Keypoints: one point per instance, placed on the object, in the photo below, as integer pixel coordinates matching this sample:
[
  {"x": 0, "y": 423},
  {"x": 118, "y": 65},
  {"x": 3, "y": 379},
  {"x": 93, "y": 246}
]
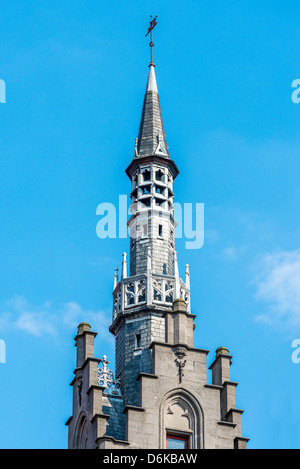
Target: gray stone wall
[
  {"x": 188, "y": 406},
  {"x": 133, "y": 358},
  {"x": 165, "y": 389}
]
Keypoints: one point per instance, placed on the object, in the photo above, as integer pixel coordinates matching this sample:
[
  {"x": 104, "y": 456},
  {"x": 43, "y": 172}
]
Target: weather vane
[{"x": 153, "y": 23}]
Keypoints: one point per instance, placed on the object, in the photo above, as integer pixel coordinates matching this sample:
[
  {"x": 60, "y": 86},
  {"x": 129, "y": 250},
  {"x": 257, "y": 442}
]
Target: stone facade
[
  {"x": 159, "y": 396},
  {"x": 168, "y": 394}
]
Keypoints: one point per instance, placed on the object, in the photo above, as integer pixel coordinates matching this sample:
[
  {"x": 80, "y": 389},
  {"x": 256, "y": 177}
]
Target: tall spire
[{"x": 152, "y": 138}]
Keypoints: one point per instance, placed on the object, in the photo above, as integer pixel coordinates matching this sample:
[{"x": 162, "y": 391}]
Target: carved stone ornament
[
  {"x": 180, "y": 353},
  {"x": 107, "y": 380}
]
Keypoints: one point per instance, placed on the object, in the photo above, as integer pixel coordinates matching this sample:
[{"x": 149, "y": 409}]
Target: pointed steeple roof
[{"x": 151, "y": 139}]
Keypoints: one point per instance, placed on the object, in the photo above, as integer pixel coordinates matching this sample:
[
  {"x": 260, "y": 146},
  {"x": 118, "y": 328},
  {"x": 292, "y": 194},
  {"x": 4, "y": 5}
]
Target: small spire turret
[
  {"x": 116, "y": 277},
  {"x": 124, "y": 266}
]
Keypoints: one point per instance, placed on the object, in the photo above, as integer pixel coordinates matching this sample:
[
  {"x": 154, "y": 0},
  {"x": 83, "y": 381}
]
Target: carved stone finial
[
  {"x": 116, "y": 277},
  {"x": 124, "y": 266},
  {"x": 187, "y": 276},
  {"x": 83, "y": 326},
  {"x": 107, "y": 380},
  {"x": 136, "y": 152},
  {"x": 222, "y": 351}
]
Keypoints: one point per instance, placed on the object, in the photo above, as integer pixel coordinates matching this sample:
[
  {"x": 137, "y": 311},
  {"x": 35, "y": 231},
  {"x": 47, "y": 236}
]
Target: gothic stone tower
[{"x": 160, "y": 397}]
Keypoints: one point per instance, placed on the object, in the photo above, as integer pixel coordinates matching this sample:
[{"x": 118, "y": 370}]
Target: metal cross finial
[{"x": 153, "y": 23}]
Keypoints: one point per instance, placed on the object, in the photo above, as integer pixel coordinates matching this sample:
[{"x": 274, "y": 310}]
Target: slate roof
[{"x": 151, "y": 139}]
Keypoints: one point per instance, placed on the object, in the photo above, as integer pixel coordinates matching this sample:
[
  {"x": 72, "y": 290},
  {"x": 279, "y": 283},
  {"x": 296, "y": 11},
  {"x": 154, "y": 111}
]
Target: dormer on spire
[{"x": 160, "y": 150}]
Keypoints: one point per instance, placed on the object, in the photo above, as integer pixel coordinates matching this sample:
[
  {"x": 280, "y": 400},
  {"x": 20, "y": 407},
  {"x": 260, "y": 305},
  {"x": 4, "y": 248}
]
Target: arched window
[
  {"x": 181, "y": 421},
  {"x": 81, "y": 435},
  {"x": 159, "y": 176},
  {"x": 146, "y": 175}
]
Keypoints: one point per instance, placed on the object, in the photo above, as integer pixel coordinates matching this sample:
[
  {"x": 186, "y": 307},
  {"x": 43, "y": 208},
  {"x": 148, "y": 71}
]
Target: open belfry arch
[{"x": 159, "y": 396}]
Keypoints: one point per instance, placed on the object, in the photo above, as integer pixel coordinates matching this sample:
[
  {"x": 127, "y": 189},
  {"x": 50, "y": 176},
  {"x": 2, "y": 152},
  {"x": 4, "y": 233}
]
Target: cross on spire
[{"x": 153, "y": 23}]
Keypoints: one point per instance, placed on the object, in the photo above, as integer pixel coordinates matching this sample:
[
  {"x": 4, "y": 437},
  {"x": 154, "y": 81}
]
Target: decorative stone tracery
[
  {"x": 147, "y": 289},
  {"x": 107, "y": 380},
  {"x": 181, "y": 414}
]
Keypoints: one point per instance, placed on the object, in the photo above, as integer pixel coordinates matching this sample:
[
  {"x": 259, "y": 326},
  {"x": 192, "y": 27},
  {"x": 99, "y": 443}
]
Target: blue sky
[{"x": 75, "y": 73}]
